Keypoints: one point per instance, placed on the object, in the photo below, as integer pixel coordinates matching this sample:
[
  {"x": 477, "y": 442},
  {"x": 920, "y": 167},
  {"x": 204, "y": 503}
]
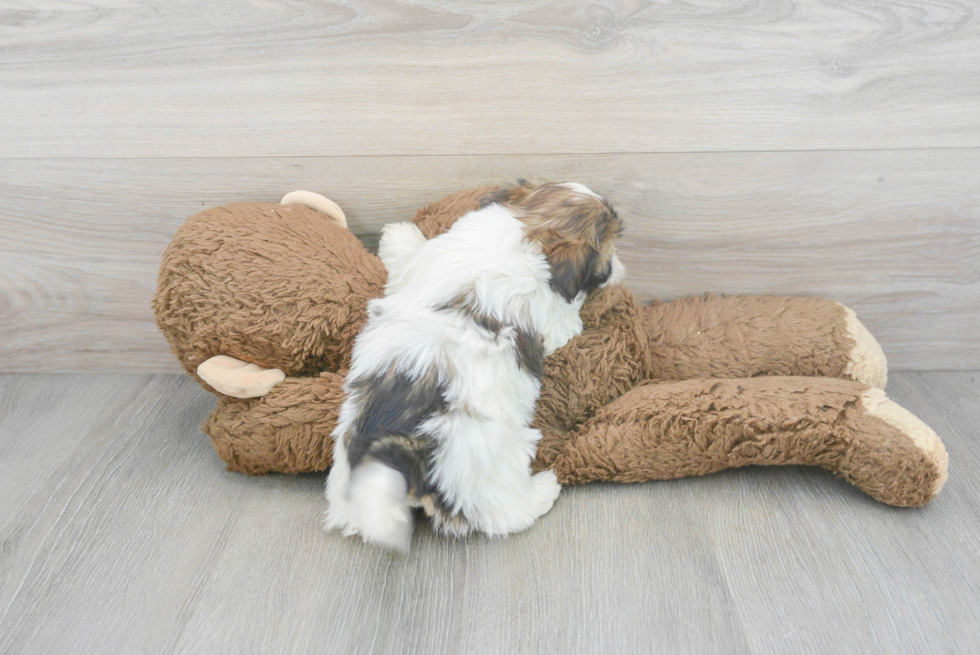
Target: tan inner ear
[
  {"x": 317, "y": 202},
  {"x": 238, "y": 379}
]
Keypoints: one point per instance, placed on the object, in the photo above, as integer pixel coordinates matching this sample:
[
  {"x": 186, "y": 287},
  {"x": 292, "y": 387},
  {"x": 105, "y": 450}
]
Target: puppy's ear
[
  {"x": 574, "y": 228},
  {"x": 572, "y": 262}
]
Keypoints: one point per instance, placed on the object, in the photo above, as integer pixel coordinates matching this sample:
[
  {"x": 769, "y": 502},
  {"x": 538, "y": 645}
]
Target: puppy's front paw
[
  {"x": 561, "y": 332},
  {"x": 399, "y": 241},
  {"x": 544, "y": 491}
]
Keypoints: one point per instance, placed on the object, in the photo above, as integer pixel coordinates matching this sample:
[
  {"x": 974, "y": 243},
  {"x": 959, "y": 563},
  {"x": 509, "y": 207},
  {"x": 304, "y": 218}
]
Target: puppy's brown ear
[
  {"x": 572, "y": 262},
  {"x": 575, "y": 230}
]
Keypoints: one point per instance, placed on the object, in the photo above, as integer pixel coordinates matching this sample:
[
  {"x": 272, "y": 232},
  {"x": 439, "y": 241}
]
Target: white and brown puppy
[{"x": 446, "y": 373}]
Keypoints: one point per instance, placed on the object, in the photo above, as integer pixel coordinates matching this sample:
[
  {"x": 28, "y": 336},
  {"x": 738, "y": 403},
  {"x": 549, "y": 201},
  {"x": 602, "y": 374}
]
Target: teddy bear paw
[{"x": 876, "y": 404}]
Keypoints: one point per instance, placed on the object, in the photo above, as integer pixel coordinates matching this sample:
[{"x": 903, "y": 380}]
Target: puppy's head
[{"x": 575, "y": 228}]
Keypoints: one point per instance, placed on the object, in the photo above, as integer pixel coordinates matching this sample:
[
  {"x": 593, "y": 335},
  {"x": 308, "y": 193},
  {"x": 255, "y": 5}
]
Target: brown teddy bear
[{"x": 261, "y": 302}]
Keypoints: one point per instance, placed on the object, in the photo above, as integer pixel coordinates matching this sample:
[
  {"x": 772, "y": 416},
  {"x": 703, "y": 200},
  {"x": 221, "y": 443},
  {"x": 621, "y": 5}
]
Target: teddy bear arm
[
  {"x": 607, "y": 359},
  {"x": 437, "y": 217},
  {"x": 748, "y": 336},
  {"x": 661, "y": 431},
  {"x": 285, "y": 431}
]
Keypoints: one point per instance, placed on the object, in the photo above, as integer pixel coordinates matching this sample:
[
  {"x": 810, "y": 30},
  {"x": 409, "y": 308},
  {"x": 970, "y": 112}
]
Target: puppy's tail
[{"x": 379, "y": 500}]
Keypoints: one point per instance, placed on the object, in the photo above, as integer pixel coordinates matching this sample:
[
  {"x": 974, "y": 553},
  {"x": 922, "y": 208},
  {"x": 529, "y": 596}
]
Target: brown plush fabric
[
  {"x": 606, "y": 360},
  {"x": 287, "y": 430},
  {"x": 279, "y": 286},
  {"x": 714, "y": 336},
  {"x": 661, "y": 431},
  {"x": 437, "y": 217},
  {"x": 283, "y": 287}
]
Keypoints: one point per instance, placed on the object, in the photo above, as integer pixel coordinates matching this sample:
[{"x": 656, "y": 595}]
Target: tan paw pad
[
  {"x": 867, "y": 360},
  {"x": 925, "y": 439}
]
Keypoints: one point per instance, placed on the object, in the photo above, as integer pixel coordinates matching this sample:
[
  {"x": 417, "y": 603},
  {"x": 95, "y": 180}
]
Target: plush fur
[
  {"x": 278, "y": 286},
  {"x": 645, "y": 392},
  {"x": 446, "y": 373}
]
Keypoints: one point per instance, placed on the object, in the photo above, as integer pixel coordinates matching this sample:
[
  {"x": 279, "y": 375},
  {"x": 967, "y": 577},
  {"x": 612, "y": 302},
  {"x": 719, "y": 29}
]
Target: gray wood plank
[
  {"x": 112, "y": 539},
  {"x": 895, "y": 234},
  {"x": 538, "y": 592},
  {"x": 43, "y": 419},
  {"x": 375, "y": 77},
  {"x": 129, "y": 537},
  {"x": 804, "y": 556}
]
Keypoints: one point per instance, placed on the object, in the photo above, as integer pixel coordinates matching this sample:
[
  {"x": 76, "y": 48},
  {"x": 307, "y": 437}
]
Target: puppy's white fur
[
  {"x": 379, "y": 494},
  {"x": 481, "y": 464}
]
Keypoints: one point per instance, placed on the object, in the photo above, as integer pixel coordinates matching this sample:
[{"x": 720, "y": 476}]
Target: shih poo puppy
[{"x": 445, "y": 375}]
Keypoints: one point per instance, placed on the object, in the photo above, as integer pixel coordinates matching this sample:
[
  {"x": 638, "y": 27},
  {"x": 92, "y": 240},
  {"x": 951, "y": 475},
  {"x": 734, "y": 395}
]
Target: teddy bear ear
[
  {"x": 238, "y": 379},
  {"x": 317, "y": 202}
]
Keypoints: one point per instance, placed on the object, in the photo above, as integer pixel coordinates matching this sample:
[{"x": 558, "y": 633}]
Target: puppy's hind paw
[
  {"x": 379, "y": 498},
  {"x": 544, "y": 491}
]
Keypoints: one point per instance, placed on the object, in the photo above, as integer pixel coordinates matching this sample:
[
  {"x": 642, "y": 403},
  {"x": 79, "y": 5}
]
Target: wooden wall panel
[
  {"x": 379, "y": 77},
  {"x": 894, "y": 234}
]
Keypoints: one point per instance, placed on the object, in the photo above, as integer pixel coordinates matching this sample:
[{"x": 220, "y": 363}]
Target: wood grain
[
  {"x": 123, "y": 534},
  {"x": 381, "y": 77},
  {"x": 896, "y": 235}
]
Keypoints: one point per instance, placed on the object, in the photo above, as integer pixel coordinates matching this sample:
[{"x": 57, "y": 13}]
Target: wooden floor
[{"x": 122, "y": 533}]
